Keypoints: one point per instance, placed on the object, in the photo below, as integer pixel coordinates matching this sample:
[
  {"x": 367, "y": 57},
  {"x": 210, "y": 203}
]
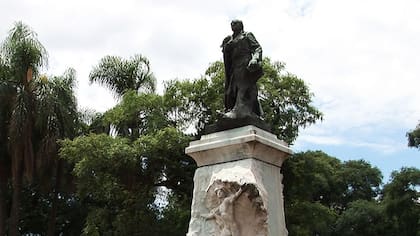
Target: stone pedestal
[{"x": 238, "y": 187}]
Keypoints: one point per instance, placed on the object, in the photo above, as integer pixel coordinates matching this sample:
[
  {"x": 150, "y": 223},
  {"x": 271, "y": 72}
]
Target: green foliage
[
  {"x": 35, "y": 111},
  {"x": 56, "y": 104},
  {"x": 362, "y": 181},
  {"x": 121, "y": 75},
  {"x": 324, "y": 196},
  {"x": 21, "y": 57},
  {"x": 309, "y": 218},
  {"x": 163, "y": 152},
  {"x": 286, "y": 101},
  {"x": 91, "y": 155},
  {"x": 362, "y": 218},
  {"x": 121, "y": 198},
  {"x": 318, "y": 169},
  {"x": 402, "y": 201},
  {"x": 320, "y": 189},
  {"x": 175, "y": 218},
  {"x": 414, "y": 137},
  {"x": 102, "y": 187},
  {"x": 21, "y": 50},
  {"x": 36, "y": 207},
  {"x": 196, "y": 102},
  {"x": 137, "y": 114}
]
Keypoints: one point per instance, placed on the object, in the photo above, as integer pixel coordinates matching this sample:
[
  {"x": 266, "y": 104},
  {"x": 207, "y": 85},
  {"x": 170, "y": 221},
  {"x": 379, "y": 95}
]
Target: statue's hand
[{"x": 253, "y": 65}]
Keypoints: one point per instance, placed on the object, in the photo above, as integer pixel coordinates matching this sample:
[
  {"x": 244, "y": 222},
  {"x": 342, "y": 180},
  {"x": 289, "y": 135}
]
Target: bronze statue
[{"x": 242, "y": 56}]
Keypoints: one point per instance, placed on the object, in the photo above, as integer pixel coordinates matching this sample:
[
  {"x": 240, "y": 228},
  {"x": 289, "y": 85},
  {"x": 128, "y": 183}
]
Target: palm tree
[
  {"x": 35, "y": 112},
  {"x": 121, "y": 75},
  {"x": 23, "y": 56},
  {"x": 5, "y": 92},
  {"x": 56, "y": 118}
]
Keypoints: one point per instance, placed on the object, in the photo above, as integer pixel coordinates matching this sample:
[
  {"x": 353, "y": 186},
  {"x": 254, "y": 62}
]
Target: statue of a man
[{"x": 242, "y": 56}]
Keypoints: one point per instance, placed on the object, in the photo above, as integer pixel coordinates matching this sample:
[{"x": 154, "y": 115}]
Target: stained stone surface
[
  {"x": 237, "y": 187},
  {"x": 237, "y": 144}
]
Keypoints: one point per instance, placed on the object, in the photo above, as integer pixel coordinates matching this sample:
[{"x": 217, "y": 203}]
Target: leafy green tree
[
  {"x": 286, "y": 100},
  {"x": 319, "y": 189},
  {"x": 157, "y": 163},
  {"x": 414, "y": 137},
  {"x": 362, "y": 181},
  {"x": 35, "y": 112},
  {"x": 362, "y": 218},
  {"x": 137, "y": 114},
  {"x": 402, "y": 201},
  {"x": 57, "y": 117},
  {"x": 121, "y": 75},
  {"x": 121, "y": 197},
  {"x": 103, "y": 187},
  {"x": 197, "y": 101},
  {"x": 313, "y": 176},
  {"x": 304, "y": 218},
  {"x": 163, "y": 153},
  {"x": 23, "y": 55},
  {"x": 311, "y": 191},
  {"x": 5, "y": 91}
]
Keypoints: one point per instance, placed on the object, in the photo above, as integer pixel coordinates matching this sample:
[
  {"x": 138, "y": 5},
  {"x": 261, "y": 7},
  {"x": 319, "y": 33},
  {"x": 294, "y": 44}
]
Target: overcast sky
[{"x": 360, "y": 58}]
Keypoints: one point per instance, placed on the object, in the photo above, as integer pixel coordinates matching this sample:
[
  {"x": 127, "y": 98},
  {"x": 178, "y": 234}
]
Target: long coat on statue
[{"x": 240, "y": 83}]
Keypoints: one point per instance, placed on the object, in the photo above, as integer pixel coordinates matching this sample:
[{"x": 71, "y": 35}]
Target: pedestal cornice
[{"x": 237, "y": 144}]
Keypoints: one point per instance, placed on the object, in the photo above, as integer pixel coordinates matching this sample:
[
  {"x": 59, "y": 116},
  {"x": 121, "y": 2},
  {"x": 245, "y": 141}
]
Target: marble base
[{"x": 238, "y": 187}]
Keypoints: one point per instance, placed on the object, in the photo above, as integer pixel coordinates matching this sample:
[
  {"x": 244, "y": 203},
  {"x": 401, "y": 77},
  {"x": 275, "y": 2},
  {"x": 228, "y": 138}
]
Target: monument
[{"x": 238, "y": 187}]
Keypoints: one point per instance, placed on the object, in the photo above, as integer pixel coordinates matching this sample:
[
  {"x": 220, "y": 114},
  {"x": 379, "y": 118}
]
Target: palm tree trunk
[
  {"x": 53, "y": 211},
  {"x": 17, "y": 174},
  {"x": 3, "y": 189}
]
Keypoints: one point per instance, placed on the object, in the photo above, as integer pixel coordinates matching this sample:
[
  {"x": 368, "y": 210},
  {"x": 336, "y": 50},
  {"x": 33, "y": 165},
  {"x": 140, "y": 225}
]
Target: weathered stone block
[{"x": 237, "y": 187}]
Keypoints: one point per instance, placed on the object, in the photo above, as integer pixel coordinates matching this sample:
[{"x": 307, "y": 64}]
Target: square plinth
[{"x": 237, "y": 144}]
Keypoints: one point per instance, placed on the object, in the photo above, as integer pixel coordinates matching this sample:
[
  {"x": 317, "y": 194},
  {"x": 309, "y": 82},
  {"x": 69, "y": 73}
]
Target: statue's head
[
  {"x": 220, "y": 192},
  {"x": 237, "y": 26}
]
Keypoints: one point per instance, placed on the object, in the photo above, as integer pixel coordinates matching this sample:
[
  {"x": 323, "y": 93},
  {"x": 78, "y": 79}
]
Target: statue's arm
[
  {"x": 238, "y": 194},
  {"x": 210, "y": 215},
  {"x": 255, "y": 47},
  {"x": 225, "y": 42}
]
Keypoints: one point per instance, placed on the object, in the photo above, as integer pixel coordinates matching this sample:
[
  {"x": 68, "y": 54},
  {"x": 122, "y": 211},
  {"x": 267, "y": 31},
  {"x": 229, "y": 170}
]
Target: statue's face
[
  {"x": 236, "y": 26},
  {"x": 220, "y": 193}
]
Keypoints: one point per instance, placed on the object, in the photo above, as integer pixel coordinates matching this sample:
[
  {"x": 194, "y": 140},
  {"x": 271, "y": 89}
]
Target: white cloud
[{"x": 359, "y": 57}]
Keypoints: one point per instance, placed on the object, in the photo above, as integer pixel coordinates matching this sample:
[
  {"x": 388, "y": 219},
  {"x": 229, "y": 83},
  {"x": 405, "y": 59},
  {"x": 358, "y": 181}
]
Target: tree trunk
[
  {"x": 53, "y": 211},
  {"x": 3, "y": 189},
  {"x": 16, "y": 197}
]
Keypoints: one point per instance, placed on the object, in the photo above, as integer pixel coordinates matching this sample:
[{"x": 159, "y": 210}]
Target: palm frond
[
  {"x": 121, "y": 75},
  {"x": 22, "y": 51}
]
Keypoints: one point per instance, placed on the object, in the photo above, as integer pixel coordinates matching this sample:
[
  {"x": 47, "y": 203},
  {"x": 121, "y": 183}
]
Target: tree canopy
[
  {"x": 121, "y": 75},
  {"x": 36, "y": 110},
  {"x": 414, "y": 137},
  {"x": 324, "y": 196}
]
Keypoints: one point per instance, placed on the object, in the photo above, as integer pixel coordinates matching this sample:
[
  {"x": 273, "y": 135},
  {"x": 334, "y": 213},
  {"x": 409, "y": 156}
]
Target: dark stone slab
[{"x": 228, "y": 123}]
